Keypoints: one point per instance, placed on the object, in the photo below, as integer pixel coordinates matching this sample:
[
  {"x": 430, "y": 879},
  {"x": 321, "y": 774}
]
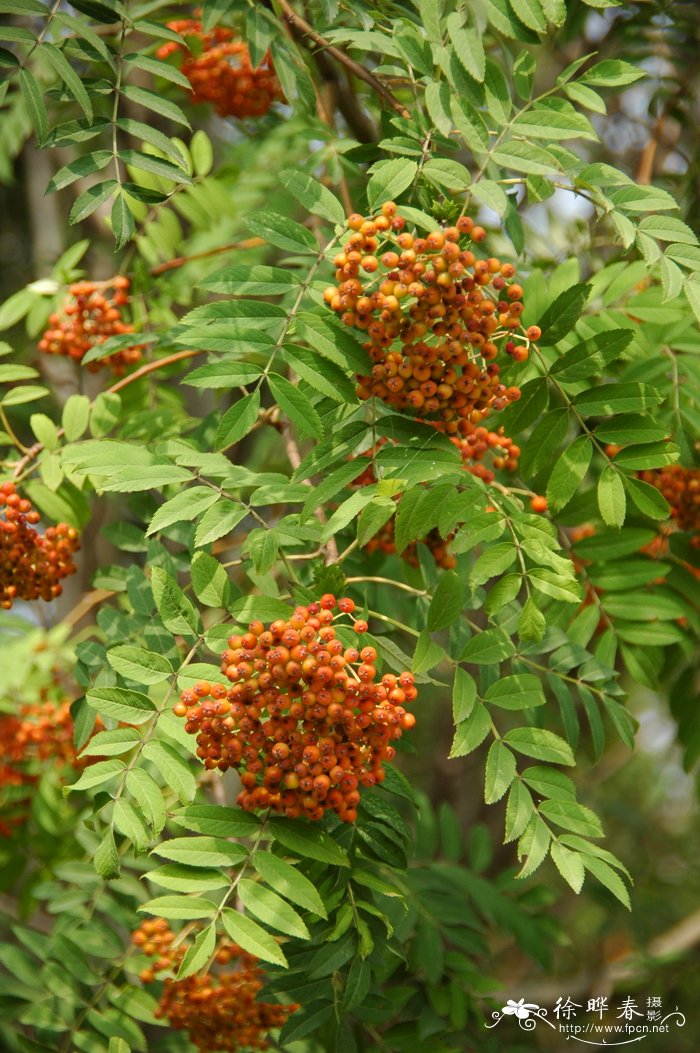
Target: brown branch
[
  {"x": 645, "y": 169},
  {"x": 36, "y": 449},
  {"x": 343, "y": 96},
  {"x": 151, "y": 366},
  {"x": 180, "y": 261},
  {"x": 85, "y": 604},
  {"x": 358, "y": 70}
]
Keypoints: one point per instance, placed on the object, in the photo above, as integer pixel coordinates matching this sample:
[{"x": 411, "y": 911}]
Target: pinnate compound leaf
[
  {"x": 522, "y": 691},
  {"x": 91, "y": 199},
  {"x": 471, "y": 732},
  {"x": 209, "y": 580},
  {"x": 447, "y": 601},
  {"x": 295, "y": 405},
  {"x": 177, "y": 611},
  {"x": 313, "y": 196},
  {"x": 237, "y": 421},
  {"x": 271, "y": 909},
  {"x": 199, "y": 953},
  {"x": 389, "y": 181},
  {"x": 281, "y": 231},
  {"x": 217, "y": 820},
  {"x": 648, "y": 499},
  {"x": 463, "y": 695},
  {"x": 534, "y": 845},
  {"x": 569, "y": 865},
  {"x": 500, "y": 771},
  {"x": 307, "y": 842},
  {"x": 148, "y": 795},
  {"x": 607, "y": 877},
  {"x": 488, "y": 647},
  {"x": 187, "y": 908},
  {"x": 289, "y": 882},
  {"x": 217, "y": 521},
  {"x": 202, "y": 851},
  {"x": 561, "y": 316},
  {"x": 186, "y": 505},
  {"x": 572, "y": 816},
  {"x": 97, "y": 774},
  {"x": 106, "y": 858},
  {"x": 34, "y": 101},
  {"x": 253, "y": 938},
  {"x": 132, "y": 825},
  {"x": 611, "y": 497},
  {"x": 139, "y": 665},
  {"x": 519, "y": 811},
  {"x": 541, "y": 744},
  {"x": 111, "y": 743},
  {"x": 568, "y": 473},
  {"x": 120, "y": 703}
]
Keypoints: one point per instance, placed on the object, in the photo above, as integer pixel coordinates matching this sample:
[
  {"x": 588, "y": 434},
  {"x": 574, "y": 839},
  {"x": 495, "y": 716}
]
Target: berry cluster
[
  {"x": 681, "y": 488},
  {"x": 90, "y": 314},
  {"x": 220, "y": 71},
  {"x": 31, "y": 564},
  {"x": 435, "y": 319},
  {"x": 42, "y": 732},
  {"x": 305, "y": 721},
  {"x": 218, "y": 1010},
  {"x": 474, "y": 442}
]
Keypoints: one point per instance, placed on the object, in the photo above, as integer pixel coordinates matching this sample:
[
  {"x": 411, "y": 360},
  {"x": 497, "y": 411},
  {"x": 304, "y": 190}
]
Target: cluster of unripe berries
[
  {"x": 306, "y": 721},
  {"x": 31, "y": 564},
  {"x": 218, "y": 1010},
  {"x": 90, "y": 314},
  {"x": 220, "y": 71},
  {"x": 681, "y": 488},
  {"x": 435, "y": 317},
  {"x": 39, "y": 733}
]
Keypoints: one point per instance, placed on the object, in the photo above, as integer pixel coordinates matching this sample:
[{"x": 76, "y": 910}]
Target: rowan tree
[{"x": 359, "y": 400}]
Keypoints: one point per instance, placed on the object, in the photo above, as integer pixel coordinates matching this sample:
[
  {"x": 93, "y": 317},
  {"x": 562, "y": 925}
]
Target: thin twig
[
  {"x": 36, "y": 449},
  {"x": 180, "y": 261},
  {"x": 645, "y": 169},
  {"x": 359, "y": 71}
]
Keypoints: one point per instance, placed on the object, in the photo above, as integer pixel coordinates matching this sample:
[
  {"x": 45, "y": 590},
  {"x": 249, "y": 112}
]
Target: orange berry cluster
[
  {"x": 474, "y": 442},
  {"x": 90, "y": 314},
  {"x": 306, "y": 721},
  {"x": 681, "y": 488},
  {"x": 218, "y": 1010},
  {"x": 43, "y": 731},
  {"x": 435, "y": 318},
  {"x": 220, "y": 71},
  {"x": 31, "y": 564}
]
